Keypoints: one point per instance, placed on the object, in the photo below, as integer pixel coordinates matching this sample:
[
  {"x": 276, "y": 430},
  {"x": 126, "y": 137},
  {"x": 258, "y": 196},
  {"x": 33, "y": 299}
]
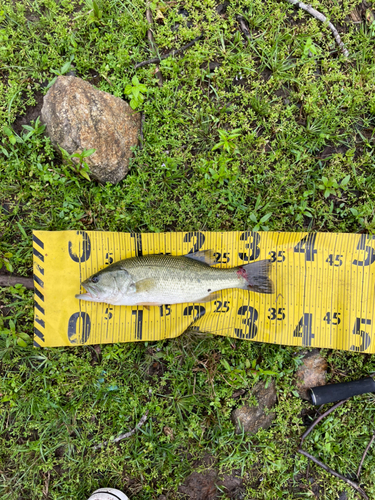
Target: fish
[{"x": 154, "y": 280}]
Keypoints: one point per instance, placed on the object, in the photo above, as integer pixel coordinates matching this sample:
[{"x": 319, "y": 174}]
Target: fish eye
[{"x": 95, "y": 279}]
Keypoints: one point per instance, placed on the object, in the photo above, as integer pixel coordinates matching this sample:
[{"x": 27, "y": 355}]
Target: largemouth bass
[{"x": 153, "y": 280}]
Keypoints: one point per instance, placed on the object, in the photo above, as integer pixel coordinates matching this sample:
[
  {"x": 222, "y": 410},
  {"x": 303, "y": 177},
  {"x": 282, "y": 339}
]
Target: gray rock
[
  {"x": 78, "y": 116},
  {"x": 312, "y": 373},
  {"x": 252, "y": 418},
  {"x": 343, "y": 495}
]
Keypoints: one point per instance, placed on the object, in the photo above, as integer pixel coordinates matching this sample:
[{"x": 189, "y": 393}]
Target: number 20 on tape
[{"x": 324, "y": 289}]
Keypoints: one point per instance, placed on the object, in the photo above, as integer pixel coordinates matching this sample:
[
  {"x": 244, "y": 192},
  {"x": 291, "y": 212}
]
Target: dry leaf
[
  {"x": 355, "y": 16},
  {"x": 169, "y": 432}
]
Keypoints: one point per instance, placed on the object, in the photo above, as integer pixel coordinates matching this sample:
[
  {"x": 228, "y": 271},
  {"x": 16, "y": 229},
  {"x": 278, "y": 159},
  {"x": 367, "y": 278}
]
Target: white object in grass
[{"x": 108, "y": 494}]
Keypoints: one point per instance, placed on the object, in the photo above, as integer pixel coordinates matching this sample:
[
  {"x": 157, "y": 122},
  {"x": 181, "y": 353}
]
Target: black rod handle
[{"x": 336, "y": 392}]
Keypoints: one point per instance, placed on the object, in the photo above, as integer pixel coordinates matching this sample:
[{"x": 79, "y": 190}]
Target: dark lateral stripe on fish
[
  {"x": 40, "y": 321},
  {"x": 35, "y": 344},
  {"x": 38, "y": 254},
  {"x": 39, "y": 307},
  {"x": 38, "y": 294},
  {"x": 38, "y": 241},
  {"x": 38, "y": 333},
  {"x": 38, "y": 280}
]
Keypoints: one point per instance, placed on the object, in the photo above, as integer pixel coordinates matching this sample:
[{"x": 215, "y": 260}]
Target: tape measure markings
[
  {"x": 306, "y": 269},
  {"x": 38, "y": 274},
  {"x": 360, "y": 319},
  {"x": 39, "y": 334},
  {"x": 367, "y": 293}
]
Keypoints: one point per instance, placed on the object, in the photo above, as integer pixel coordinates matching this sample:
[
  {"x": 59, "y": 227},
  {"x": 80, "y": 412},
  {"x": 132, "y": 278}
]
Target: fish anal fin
[
  {"x": 145, "y": 285},
  {"x": 147, "y": 305},
  {"x": 205, "y": 256},
  {"x": 209, "y": 298}
]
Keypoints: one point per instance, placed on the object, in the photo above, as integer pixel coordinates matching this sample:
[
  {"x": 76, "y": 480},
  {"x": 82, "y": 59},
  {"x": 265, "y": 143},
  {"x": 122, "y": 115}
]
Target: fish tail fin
[{"x": 256, "y": 275}]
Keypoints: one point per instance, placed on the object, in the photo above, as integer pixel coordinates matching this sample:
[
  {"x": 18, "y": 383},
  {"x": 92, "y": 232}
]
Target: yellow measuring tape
[{"x": 324, "y": 289}]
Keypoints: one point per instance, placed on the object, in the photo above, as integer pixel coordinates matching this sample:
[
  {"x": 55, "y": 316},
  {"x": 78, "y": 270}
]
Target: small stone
[
  {"x": 343, "y": 495},
  {"x": 222, "y": 8},
  {"x": 183, "y": 12},
  {"x": 239, "y": 392},
  {"x": 252, "y": 418},
  {"x": 210, "y": 66},
  {"x": 78, "y": 116},
  {"x": 312, "y": 373}
]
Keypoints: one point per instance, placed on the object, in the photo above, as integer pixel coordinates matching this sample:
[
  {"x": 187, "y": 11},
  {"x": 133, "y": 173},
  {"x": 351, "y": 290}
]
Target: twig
[
  {"x": 15, "y": 280},
  {"x": 107, "y": 79},
  {"x": 150, "y": 36},
  {"x": 169, "y": 54},
  {"x": 321, "y": 17},
  {"x": 316, "y": 422},
  {"x": 46, "y": 484},
  {"x": 364, "y": 454},
  {"x": 126, "y": 435},
  {"x": 321, "y": 464},
  {"x": 222, "y": 376},
  {"x": 334, "y": 473},
  {"x": 151, "y": 41}
]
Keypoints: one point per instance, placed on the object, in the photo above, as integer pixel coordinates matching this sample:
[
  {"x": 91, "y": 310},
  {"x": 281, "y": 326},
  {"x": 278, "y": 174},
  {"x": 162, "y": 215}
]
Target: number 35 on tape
[{"x": 324, "y": 289}]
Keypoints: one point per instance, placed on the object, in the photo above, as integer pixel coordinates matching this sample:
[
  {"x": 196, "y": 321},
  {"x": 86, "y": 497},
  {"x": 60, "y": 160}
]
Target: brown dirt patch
[
  {"x": 32, "y": 113},
  {"x": 210, "y": 485}
]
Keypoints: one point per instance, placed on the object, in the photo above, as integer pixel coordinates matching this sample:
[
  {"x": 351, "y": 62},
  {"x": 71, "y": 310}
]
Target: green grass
[{"x": 266, "y": 140}]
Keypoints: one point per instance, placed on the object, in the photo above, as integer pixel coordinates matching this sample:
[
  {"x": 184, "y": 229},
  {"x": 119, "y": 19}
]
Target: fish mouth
[
  {"x": 85, "y": 296},
  {"x": 89, "y": 296}
]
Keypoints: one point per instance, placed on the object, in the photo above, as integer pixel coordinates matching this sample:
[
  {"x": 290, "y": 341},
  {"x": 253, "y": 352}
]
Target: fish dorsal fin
[
  {"x": 145, "y": 285},
  {"x": 205, "y": 256}
]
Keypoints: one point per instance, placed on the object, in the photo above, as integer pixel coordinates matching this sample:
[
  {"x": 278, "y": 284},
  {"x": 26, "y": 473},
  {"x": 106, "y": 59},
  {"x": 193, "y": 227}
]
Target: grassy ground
[{"x": 303, "y": 159}]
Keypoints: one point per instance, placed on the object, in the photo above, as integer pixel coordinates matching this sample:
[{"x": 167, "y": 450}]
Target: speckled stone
[
  {"x": 78, "y": 116},
  {"x": 312, "y": 373},
  {"x": 252, "y": 418}
]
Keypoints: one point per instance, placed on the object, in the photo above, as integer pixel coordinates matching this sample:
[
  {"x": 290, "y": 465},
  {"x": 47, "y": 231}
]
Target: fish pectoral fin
[
  {"x": 145, "y": 285},
  {"x": 209, "y": 298},
  {"x": 205, "y": 256}
]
